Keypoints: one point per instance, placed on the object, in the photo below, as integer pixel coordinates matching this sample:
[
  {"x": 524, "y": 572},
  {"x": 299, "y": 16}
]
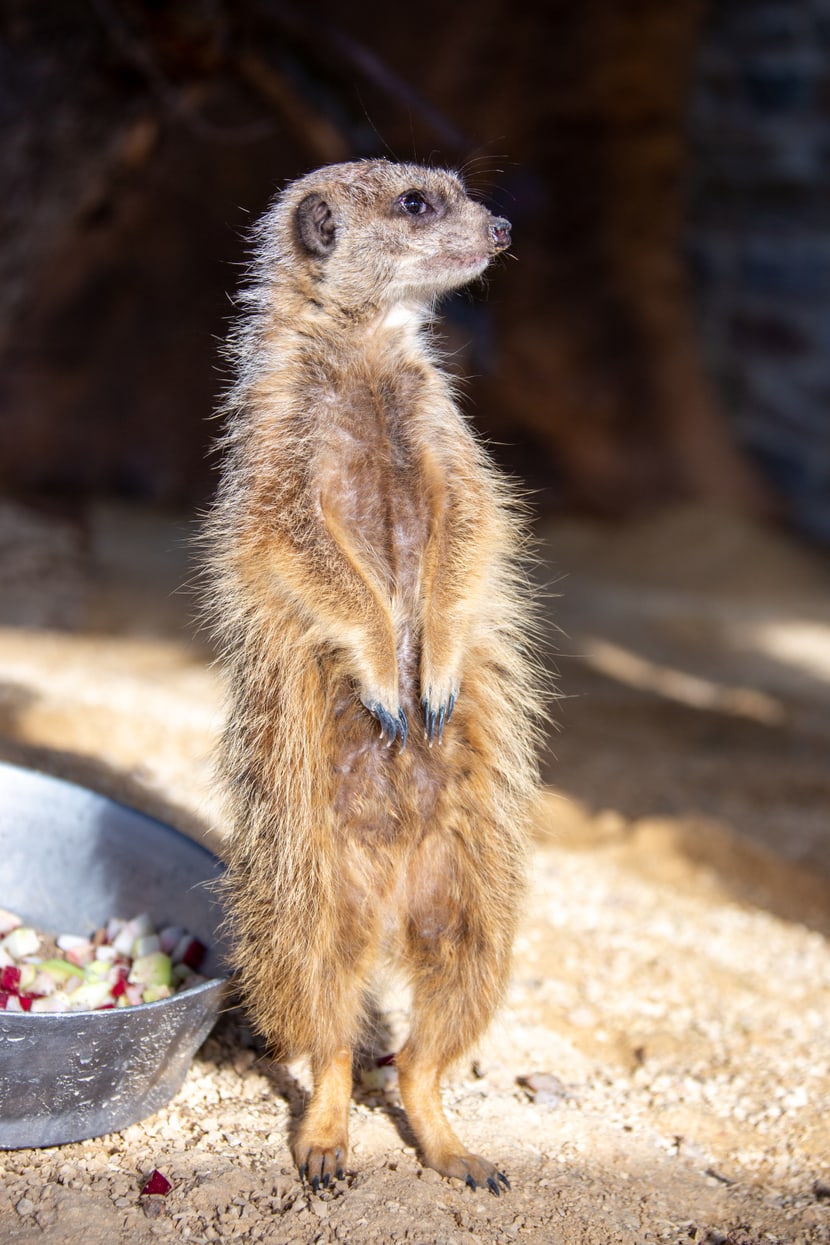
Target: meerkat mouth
[{"x": 455, "y": 263}]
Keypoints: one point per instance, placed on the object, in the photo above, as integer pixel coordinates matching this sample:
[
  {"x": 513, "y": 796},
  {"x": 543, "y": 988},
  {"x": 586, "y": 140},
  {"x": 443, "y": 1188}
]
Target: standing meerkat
[{"x": 366, "y": 591}]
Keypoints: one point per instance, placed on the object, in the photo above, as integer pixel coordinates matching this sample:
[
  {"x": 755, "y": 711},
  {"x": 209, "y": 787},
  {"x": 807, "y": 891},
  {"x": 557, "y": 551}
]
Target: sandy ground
[{"x": 661, "y": 1072}]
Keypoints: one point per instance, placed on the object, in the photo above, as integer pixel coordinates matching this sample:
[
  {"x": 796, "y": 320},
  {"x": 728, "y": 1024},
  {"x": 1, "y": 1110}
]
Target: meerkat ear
[{"x": 315, "y": 225}]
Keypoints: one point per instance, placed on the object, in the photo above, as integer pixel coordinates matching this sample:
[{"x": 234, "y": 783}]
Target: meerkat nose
[{"x": 500, "y": 233}]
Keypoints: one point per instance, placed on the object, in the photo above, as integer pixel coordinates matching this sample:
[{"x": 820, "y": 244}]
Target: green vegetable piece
[
  {"x": 90, "y": 996},
  {"x": 155, "y": 969},
  {"x": 151, "y": 994},
  {"x": 60, "y": 970}
]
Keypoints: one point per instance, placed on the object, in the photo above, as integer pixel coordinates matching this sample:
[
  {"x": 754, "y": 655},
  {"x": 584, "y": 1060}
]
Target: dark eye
[{"x": 414, "y": 203}]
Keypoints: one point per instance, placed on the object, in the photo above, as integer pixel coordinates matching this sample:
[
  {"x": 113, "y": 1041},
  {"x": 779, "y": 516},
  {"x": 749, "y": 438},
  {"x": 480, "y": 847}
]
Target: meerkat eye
[{"x": 414, "y": 203}]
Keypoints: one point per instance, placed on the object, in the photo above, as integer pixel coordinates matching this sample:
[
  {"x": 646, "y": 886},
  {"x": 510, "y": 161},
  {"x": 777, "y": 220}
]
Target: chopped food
[
  {"x": 156, "y": 1183},
  {"x": 8, "y": 922},
  {"x": 124, "y": 963}
]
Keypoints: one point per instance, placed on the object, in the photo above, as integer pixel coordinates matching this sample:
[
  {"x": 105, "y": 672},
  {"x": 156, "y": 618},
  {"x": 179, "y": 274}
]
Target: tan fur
[{"x": 363, "y": 556}]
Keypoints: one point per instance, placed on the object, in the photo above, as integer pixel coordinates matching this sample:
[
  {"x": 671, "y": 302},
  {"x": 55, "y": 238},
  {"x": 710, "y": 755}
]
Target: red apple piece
[{"x": 156, "y": 1184}]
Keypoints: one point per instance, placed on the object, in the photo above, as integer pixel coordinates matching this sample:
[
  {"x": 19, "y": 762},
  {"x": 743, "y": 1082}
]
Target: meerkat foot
[
  {"x": 474, "y": 1170},
  {"x": 321, "y": 1146},
  {"x": 319, "y": 1162},
  {"x": 440, "y": 1147}
]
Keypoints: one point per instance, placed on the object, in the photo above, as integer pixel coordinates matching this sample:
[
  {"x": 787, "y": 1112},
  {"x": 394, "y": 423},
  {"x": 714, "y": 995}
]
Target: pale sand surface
[{"x": 670, "y": 1003}]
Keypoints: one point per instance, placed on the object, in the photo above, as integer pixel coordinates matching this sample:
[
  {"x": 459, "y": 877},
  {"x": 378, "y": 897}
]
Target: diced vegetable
[
  {"x": 155, "y": 969},
  {"x": 61, "y": 970},
  {"x": 123, "y": 964},
  {"x": 8, "y": 922},
  {"x": 10, "y": 979},
  {"x": 156, "y": 1184},
  {"x": 146, "y": 945},
  {"x": 189, "y": 951},
  {"x": 89, "y": 996},
  {"x": 22, "y": 941}
]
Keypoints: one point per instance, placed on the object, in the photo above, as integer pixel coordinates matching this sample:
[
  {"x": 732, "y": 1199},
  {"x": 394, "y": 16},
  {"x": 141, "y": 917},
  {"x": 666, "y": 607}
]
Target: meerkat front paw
[
  {"x": 393, "y": 723},
  {"x": 437, "y": 706}
]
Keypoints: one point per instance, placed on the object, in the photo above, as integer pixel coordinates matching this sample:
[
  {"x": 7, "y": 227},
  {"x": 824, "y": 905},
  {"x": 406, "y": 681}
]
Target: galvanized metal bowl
[{"x": 69, "y": 860}]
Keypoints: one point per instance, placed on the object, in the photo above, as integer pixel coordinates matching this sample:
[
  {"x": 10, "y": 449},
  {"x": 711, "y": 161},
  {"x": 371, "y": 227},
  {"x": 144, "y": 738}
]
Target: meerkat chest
[{"x": 374, "y": 470}]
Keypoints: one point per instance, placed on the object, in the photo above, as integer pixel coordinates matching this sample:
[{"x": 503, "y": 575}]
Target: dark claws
[
  {"x": 388, "y": 724},
  {"x": 469, "y": 1181},
  {"x": 503, "y": 1179},
  {"x": 318, "y": 1182},
  {"x": 392, "y": 726},
  {"x": 492, "y": 1185},
  {"x": 436, "y": 719}
]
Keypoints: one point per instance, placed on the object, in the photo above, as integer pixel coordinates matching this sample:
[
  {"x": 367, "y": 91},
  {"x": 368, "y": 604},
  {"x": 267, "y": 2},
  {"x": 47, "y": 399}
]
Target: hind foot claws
[
  {"x": 321, "y": 1166},
  {"x": 475, "y": 1171}
]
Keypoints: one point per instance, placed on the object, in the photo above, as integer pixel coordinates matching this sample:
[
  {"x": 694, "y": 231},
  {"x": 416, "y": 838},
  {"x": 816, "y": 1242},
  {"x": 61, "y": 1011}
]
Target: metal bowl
[{"x": 70, "y": 860}]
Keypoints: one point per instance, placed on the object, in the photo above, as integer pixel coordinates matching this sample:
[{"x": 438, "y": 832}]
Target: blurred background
[
  {"x": 664, "y": 333},
  {"x": 653, "y": 362}
]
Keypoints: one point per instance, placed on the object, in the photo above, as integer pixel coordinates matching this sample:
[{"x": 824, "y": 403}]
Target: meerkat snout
[{"x": 500, "y": 229}]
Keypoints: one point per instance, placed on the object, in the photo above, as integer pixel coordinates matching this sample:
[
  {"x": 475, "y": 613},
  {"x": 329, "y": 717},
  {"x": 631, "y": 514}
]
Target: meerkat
[{"x": 366, "y": 584}]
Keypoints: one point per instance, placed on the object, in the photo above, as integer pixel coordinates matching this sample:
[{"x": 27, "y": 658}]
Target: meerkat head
[{"x": 377, "y": 233}]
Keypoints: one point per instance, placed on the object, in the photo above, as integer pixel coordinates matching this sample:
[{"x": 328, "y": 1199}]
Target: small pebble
[{"x": 543, "y": 1088}]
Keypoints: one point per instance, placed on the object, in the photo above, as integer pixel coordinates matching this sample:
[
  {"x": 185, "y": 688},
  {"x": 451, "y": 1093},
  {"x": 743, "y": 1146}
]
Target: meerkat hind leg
[
  {"x": 453, "y": 998},
  {"x": 419, "y": 1081},
  {"x": 321, "y": 1146}
]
